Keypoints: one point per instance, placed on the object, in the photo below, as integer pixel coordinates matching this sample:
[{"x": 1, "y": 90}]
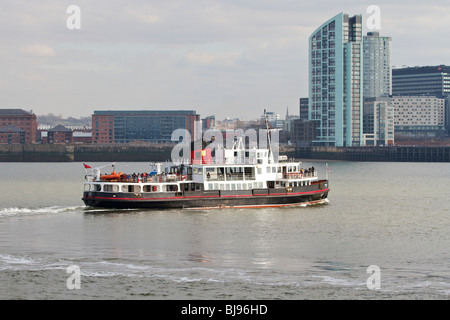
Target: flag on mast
[{"x": 86, "y": 166}]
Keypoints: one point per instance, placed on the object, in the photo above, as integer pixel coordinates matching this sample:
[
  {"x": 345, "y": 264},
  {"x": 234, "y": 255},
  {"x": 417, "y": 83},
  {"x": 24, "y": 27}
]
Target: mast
[{"x": 271, "y": 160}]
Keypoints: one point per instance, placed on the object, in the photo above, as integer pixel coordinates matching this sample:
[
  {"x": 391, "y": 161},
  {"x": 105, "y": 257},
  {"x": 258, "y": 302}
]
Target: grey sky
[{"x": 222, "y": 57}]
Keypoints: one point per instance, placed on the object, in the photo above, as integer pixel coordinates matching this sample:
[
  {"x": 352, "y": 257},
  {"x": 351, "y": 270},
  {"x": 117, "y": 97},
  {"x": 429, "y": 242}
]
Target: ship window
[
  {"x": 131, "y": 188},
  {"x": 259, "y": 171},
  {"x": 210, "y": 186},
  {"x": 227, "y": 186},
  {"x": 172, "y": 187},
  {"x": 110, "y": 188},
  {"x": 98, "y": 187},
  {"x": 233, "y": 186},
  {"x": 216, "y": 186},
  {"x": 150, "y": 188},
  {"x": 238, "y": 186},
  {"x": 268, "y": 170},
  {"x": 249, "y": 186},
  {"x": 274, "y": 169}
]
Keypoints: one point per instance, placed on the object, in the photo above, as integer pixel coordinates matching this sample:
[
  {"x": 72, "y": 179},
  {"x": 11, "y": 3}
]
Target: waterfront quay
[
  {"x": 387, "y": 154},
  {"x": 162, "y": 152}
]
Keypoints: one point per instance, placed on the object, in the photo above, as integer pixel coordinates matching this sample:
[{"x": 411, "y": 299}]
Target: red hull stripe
[{"x": 199, "y": 197}]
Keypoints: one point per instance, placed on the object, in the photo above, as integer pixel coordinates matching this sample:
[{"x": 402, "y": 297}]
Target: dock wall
[
  {"x": 127, "y": 152},
  {"x": 82, "y": 153},
  {"x": 388, "y": 154}
]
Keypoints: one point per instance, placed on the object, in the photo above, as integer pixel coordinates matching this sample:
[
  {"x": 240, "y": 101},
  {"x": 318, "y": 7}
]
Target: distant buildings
[
  {"x": 335, "y": 81},
  {"x": 273, "y": 119},
  {"x": 209, "y": 123},
  {"x": 17, "y": 126},
  {"x": 154, "y": 126}
]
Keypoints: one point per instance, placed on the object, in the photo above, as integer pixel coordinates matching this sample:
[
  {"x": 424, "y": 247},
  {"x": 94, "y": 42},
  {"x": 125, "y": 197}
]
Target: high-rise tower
[
  {"x": 335, "y": 81},
  {"x": 378, "y": 115},
  {"x": 377, "y": 70}
]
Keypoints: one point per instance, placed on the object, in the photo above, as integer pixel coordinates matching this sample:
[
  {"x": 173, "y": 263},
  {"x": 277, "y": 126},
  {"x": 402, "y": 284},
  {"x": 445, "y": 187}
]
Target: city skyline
[{"x": 219, "y": 58}]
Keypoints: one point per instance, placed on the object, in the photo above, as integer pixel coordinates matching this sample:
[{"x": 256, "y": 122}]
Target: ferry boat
[
  {"x": 238, "y": 177},
  {"x": 245, "y": 178}
]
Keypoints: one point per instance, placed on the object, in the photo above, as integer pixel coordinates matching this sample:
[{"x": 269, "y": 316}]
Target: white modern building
[{"x": 419, "y": 116}]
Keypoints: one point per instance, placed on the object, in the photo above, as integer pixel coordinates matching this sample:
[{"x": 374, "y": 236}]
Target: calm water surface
[{"x": 392, "y": 215}]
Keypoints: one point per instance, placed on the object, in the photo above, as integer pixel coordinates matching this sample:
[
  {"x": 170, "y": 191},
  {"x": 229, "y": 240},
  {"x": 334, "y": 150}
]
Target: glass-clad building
[
  {"x": 377, "y": 66},
  {"x": 335, "y": 81},
  {"x": 155, "y": 126}
]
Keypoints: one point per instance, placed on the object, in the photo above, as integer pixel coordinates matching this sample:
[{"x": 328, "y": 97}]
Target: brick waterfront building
[
  {"x": 155, "y": 126},
  {"x": 17, "y": 126}
]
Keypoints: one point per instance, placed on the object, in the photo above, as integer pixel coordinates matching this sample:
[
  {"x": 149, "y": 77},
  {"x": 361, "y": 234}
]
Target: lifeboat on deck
[{"x": 112, "y": 176}]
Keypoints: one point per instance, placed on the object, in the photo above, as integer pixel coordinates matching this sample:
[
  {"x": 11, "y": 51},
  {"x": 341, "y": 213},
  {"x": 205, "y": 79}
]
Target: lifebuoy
[{"x": 183, "y": 178}]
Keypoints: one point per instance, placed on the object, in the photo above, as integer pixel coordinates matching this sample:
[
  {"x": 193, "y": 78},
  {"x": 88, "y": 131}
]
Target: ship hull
[{"x": 210, "y": 199}]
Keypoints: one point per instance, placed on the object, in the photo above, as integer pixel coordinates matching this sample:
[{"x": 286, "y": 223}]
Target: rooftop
[
  {"x": 421, "y": 70},
  {"x": 14, "y": 112},
  {"x": 143, "y": 112},
  {"x": 59, "y": 128}
]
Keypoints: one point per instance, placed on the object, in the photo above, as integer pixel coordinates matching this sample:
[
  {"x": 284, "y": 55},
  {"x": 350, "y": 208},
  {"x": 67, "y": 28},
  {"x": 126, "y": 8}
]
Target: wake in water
[{"x": 7, "y": 212}]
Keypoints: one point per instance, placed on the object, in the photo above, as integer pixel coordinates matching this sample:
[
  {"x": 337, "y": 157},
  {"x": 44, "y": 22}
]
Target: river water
[{"x": 393, "y": 218}]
